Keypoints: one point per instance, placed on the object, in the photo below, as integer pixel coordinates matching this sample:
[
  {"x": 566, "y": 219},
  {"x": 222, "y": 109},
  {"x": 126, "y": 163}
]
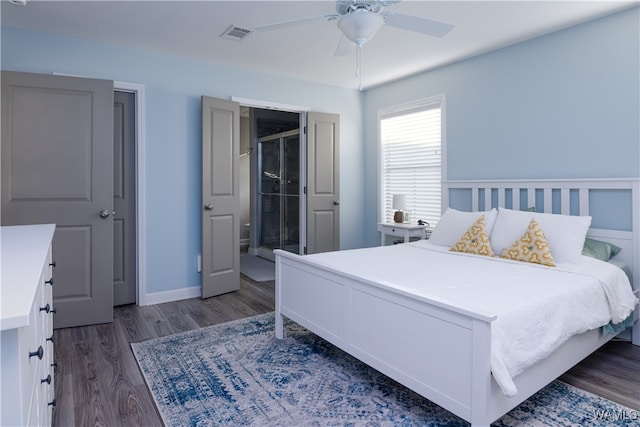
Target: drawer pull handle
[
  {"x": 50, "y": 281},
  {"x": 52, "y": 264},
  {"x": 52, "y": 403},
  {"x": 53, "y": 311},
  {"x": 38, "y": 353},
  {"x": 50, "y": 338},
  {"x": 46, "y": 380},
  {"x": 46, "y": 308}
]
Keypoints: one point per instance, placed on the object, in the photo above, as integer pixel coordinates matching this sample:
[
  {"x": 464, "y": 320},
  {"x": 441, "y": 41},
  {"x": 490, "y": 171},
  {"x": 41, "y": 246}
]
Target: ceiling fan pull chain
[{"x": 359, "y": 65}]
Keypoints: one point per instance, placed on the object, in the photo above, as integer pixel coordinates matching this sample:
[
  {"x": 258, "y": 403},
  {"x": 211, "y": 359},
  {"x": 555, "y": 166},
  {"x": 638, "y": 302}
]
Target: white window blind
[{"x": 411, "y": 144}]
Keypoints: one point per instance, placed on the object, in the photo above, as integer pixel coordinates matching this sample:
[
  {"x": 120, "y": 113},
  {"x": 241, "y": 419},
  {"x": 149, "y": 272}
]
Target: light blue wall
[
  {"x": 173, "y": 88},
  {"x": 565, "y": 105},
  {"x": 560, "y": 106}
]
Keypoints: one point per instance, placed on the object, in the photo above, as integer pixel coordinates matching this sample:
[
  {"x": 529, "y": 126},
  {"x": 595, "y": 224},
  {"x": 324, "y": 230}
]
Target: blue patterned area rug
[{"x": 238, "y": 374}]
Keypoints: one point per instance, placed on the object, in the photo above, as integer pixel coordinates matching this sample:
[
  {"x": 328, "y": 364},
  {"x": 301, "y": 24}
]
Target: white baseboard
[{"x": 170, "y": 296}]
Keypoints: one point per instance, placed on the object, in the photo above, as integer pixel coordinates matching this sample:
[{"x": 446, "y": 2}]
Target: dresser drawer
[
  {"x": 43, "y": 388},
  {"x": 27, "y": 323},
  {"x": 30, "y": 342},
  {"x": 33, "y": 412}
]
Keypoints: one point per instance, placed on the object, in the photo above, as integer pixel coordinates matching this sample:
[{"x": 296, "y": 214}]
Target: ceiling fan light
[{"x": 360, "y": 25}]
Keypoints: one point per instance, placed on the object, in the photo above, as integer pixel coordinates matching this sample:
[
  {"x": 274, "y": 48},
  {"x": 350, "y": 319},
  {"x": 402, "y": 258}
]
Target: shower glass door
[{"x": 279, "y": 193}]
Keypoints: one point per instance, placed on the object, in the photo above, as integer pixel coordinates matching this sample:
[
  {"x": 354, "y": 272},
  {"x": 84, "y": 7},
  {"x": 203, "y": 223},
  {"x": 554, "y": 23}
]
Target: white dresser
[{"x": 26, "y": 325}]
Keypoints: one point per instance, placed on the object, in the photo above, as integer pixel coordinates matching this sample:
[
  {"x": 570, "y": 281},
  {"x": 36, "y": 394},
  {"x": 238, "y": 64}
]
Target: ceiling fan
[{"x": 360, "y": 20}]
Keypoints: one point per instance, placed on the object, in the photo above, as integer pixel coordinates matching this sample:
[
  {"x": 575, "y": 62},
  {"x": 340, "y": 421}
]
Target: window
[{"x": 411, "y": 146}]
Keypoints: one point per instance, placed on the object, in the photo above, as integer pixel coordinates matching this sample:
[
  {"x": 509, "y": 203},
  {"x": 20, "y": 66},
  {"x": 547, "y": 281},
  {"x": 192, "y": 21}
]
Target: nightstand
[{"x": 402, "y": 230}]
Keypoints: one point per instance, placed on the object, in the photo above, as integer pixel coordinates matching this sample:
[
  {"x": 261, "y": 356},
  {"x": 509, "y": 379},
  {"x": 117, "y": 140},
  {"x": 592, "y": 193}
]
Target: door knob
[
  {"x": 335, "y": 202},
  {"x": 105, "y": 213},
  {"x": 208, "y": 207}
]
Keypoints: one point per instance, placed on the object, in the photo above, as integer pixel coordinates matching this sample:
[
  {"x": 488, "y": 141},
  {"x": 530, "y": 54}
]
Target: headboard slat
[
  {"x": 565, "y": 201},
  {"x": 584, "y": 201},
  {"x": 474, "y": 198},
  {"x": 515, "y": 198},
  {"x": 531, "y": 198},
  {"x": 547, "y": 200}
]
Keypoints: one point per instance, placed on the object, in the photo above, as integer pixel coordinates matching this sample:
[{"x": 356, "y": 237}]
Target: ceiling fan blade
[
  {"x": 345, "y": 46},
  {"x": 418, "y": 25},
  {"x": 283, "y": 24}
]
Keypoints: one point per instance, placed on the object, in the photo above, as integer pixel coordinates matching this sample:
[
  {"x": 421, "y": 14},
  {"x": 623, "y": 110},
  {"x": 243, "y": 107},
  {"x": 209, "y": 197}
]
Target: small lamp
[{"x": 399, "y": 204}]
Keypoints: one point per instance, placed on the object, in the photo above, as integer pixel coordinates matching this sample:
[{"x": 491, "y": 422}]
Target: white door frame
[{"x": 141, "y": 266}]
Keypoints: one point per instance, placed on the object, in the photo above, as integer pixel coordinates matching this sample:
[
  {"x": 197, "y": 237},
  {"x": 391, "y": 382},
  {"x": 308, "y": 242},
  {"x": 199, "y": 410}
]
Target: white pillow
[
  {"x": 454, "y": 223},
  {"x": 565, "y": 234}
]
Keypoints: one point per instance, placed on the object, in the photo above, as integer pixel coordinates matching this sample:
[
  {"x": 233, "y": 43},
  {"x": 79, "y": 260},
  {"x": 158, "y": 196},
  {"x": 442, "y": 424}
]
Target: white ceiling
[{"x": 305, "y": 51}]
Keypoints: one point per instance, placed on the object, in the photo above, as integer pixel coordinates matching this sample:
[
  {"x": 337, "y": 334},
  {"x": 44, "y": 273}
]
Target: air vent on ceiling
[{"x": 236, "y": 32}]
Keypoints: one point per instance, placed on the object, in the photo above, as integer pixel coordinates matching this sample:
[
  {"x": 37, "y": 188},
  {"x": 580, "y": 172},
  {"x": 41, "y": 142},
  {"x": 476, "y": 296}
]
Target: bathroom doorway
[{"x": 271, "y": 195}]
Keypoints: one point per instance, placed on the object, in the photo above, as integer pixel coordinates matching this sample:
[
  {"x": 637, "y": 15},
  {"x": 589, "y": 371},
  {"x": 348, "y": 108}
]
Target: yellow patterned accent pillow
[
  {"x": 531, "y": 247},
  {"x": 475, "y": 240}
]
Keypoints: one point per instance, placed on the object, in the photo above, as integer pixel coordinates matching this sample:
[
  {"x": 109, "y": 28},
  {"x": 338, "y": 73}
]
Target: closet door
[
  {"x": 323, "y": 182},
  {"x": 57, "y": 167},
  {"x": 220, "y": 196}
]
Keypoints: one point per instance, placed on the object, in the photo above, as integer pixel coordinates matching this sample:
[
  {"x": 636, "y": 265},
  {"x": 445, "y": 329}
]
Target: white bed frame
[{"x": 440, "y": 351}]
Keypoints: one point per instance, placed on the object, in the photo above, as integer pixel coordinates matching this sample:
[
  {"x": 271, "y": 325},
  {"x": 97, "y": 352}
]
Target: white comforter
[{"x": 538, "y": 308}]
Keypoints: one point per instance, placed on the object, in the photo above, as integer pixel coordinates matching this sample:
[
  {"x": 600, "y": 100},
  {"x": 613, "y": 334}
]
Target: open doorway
[
  {"x": 291, "y": 200},
  {"x": 124, "y": 198},
  {"x": 271, "y": 196}
]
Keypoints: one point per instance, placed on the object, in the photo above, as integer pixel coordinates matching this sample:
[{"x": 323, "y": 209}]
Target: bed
[{"x": 432, "y": 344}]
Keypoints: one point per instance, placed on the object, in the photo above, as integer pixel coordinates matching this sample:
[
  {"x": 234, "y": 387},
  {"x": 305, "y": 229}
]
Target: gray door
[
  {"x": 220, "y": 196},
  {"x": 124, "y": 198},
  {"x": 323, "y": 182},
  {"x": 57, "y": 167}
]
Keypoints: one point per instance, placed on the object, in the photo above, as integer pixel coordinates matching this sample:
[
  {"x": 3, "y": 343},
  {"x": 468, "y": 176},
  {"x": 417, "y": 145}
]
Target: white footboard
[{"x": 440, "y": 352}]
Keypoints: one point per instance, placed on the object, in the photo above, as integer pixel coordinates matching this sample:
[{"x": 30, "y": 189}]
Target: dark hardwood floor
[
  {"x": 612, "y": 372},
  {"x": 98, "y": 382}
]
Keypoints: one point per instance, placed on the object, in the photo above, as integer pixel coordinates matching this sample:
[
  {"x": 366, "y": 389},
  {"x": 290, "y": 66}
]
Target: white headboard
[{"x": 569, "y": 197}]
